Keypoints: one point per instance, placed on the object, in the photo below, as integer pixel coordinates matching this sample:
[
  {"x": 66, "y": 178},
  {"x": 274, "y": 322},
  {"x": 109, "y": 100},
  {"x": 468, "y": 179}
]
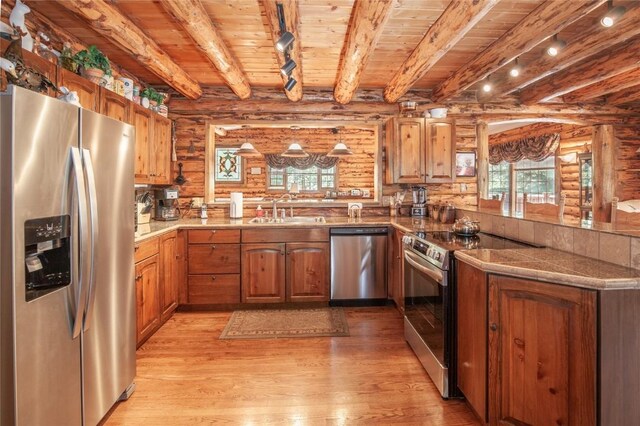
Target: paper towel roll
[{"x": 235, "y": 208}]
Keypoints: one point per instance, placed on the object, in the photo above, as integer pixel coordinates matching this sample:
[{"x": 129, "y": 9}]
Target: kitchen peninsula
[{"x": 269, "y": 150}]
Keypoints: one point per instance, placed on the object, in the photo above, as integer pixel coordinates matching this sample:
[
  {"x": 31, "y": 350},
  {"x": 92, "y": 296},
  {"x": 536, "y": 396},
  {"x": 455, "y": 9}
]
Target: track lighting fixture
[
  {"x": 291, "y": 83},
  {"x": 486, "y": 86},
  {"x": 556, "y": 46},
  {"x": 288, "y": 67},
  {"x": 613, "y": 15},
  {"x": 285, "y": 41},
  {"x": 515, "y": 70}
]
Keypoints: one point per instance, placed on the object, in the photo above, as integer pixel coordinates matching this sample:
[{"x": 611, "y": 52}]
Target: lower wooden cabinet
[
  {"x": 396, "y": 269},
  {"x": 168, "y": 275},
  {"x": 542, "y": 353},
  {"x": 307, "y": 269},
  {"x": 147, "y": 297},
  {"x": 263, "y": 273}
]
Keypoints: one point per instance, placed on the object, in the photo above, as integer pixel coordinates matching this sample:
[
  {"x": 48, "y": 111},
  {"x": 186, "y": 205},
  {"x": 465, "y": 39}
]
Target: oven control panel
[{"x": 434, "y": 254}]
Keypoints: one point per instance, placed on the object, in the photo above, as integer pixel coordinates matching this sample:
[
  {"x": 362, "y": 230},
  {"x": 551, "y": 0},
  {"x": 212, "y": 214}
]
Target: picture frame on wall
[
  {"x": 229, "y": 166},
  {"x": 465, "y": 164}
]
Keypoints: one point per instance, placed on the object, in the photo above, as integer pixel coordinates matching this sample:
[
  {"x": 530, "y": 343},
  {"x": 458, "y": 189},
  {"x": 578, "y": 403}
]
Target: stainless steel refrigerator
[{"x": 67, "y": 295}]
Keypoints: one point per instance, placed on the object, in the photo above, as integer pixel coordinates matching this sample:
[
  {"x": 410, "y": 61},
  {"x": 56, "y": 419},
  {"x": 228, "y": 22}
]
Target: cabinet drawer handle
[
  {"x": 289, "y": 252},
  {"x": 213, "y": 278},
  {"x": 136, "y": 248},
  {"x": 282, "y": 252},
  {"x": 213, "y": 247},
  {"x": 493, "y": 326},
  {"x": 138, "y": 277},
  {"x": 213, "y": 231},
  {"x": 177, "y": 256}
]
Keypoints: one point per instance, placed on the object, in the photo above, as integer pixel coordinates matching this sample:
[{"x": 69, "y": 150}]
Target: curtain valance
[
  {"x": 535, "y": 148},
  {"x": 277, "y": 161}
]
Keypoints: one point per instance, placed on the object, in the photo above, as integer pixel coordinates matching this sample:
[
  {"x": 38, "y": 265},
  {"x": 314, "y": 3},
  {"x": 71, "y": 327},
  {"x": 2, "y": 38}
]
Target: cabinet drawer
[
  {"x": 146, "y": 248},
  {"x": 214, "y": 259},
  {"x": 277, "y": 235},
  {"x": 208, "y": 236},
  {"x": 212, "y": 289}
]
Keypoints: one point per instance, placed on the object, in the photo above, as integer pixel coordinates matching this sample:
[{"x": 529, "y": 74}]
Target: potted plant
[
  {"x": 154, "y": 97},
  {"x": 94, "y": 64}
]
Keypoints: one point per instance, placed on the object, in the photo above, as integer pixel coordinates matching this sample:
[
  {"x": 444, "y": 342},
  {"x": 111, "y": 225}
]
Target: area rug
[{"x": 286, "y": 323}]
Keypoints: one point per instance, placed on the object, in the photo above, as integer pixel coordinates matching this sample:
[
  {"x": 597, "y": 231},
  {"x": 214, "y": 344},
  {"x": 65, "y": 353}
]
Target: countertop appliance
[
  {"x": 358, "y": 265},
  {"x": 167, "y": 204},
  {"x": 419, "y": 199},
  {"x": 67, "y": 302},
  {"x": 430, "y": 295}
]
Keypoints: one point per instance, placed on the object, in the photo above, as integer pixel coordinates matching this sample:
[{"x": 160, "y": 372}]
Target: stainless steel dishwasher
[{"x": 359, "y": 264}]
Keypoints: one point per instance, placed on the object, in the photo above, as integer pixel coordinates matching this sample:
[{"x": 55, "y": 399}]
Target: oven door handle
[{"x": 430, "y": 271}]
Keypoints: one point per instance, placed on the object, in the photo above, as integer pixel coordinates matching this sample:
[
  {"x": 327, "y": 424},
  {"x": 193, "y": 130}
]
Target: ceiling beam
[
  {"x": 292, "y": 20},
  {"x": 545, "y": 21},
  {"x": 193, "y": 17},
  {"x": 456, "y": 20},
  {"x": 624, "y": 57},
  {"x": 109, "y": 22},
  {"x": 367, "y": 21},
  {"x": 629, "y": 95},
  {"x": 612, "y": 85},
  {"x": 583, "y": 46}
]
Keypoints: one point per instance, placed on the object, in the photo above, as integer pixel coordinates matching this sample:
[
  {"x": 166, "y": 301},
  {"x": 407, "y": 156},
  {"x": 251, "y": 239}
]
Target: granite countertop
[
  {"x": 551, "y": 265},
  {"x": 406, "y": 224}
]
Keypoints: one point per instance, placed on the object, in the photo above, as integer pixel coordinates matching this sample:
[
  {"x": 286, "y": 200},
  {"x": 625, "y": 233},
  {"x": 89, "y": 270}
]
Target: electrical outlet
[
  {"x": 386, "y": 200},
  {"x": 463, "y": 187},
  {"x": 349, "y": 205},
  {"x": 256, "y": 170}
]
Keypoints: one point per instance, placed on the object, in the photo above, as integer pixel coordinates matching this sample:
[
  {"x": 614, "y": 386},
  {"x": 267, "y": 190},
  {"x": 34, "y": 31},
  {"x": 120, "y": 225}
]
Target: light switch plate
[
  {"x": 349, "y": 205},
  {"x": 256, "y": 170}
]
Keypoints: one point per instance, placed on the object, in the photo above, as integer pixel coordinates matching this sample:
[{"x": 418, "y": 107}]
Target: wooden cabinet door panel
[
  {"x": 307, "y": 272},
  {"x": 408, "y": 152},
  {"x": 169, "y": 275},
  {"x": 161, "y": 151},
  {"x": 263, "y": 273},
  {"x": 440, "y": 151},
  {"x": 214, "y": 259},
  {"x": 142, "y": 120},
  {"x": 214, "y": 289},
  {"x": 147, "y": 297},
  {"x": 115, "y": 106},
  {"x": 542, "y": 348},
  {"x": 472, "y": 336},
  {"x": 181, "y": 265},
  {"x": 88, "y": 92}
]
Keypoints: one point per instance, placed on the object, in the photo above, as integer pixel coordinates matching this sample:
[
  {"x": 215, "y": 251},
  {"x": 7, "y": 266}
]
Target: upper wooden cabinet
[
  {"x": 88, "y": 92},
  {"x": 115, "y": 106},
  {"x": 160, "y": 150},
  {"x": 153, "y": 146},
  {"x": 142, "y": 120},
  {"x": 420, "y": 150}
]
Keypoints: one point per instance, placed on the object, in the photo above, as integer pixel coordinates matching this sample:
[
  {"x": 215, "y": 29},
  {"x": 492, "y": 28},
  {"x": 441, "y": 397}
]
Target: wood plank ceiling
[{"x": 382, "y": 39}]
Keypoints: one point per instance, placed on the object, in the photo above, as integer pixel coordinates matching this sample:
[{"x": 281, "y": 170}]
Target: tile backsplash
[{"x": 622, "y": 250}]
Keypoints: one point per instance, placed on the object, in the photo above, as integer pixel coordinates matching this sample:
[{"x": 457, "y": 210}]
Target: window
[
  {"x": 535, "y": 178},
  {"x": 312, "y": 179}
]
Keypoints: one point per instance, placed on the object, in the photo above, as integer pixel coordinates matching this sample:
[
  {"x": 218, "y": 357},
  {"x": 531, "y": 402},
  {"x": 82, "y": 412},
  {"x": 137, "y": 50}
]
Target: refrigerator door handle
[
  {"x": 93, "y": 210},
  {"x": 80, "y": 188}
]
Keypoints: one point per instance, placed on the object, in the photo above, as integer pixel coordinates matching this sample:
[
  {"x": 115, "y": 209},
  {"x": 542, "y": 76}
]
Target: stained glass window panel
[{"x": 228, "y": 165}]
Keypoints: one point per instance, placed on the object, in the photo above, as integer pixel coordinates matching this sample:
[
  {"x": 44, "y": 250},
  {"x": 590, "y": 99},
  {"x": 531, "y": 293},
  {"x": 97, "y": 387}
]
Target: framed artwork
[
  {"x": 228, "y": 166},
  {"x": 466, "y": 164}
]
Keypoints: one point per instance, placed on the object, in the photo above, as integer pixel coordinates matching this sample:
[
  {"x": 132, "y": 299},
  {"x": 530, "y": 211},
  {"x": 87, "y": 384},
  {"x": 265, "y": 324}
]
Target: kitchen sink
[{"x": 290, "y": 220}]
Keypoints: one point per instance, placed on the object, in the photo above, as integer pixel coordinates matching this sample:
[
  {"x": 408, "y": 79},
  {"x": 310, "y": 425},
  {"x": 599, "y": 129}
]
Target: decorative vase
[{"x": 94, "y": 75}]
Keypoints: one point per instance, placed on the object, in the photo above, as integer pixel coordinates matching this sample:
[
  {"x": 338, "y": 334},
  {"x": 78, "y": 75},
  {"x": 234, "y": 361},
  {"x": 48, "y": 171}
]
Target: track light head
[
  {"x": 515, "y": 70},
  {"x": 556, "y": 46},
  {"x": 486, "y": 87},
  {"x": 288, "y": 68},
  {"x": 290, "y": 84},
  {"x": 613, "y": 15},
  {"x": 285, "y": 41}
]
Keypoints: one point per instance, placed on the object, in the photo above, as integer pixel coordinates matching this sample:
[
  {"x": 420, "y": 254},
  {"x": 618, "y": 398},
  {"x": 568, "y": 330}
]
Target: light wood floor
[{"x": 186, "y": 376}]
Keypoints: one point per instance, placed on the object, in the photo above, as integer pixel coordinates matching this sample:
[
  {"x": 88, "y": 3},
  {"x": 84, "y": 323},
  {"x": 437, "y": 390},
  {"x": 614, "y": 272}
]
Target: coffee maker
[
  {"x": 167, "y": 204},
  {"x": 419, "y": 206}
]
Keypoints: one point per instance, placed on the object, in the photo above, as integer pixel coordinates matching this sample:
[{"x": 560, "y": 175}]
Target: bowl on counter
[{"x": 438, "y": 112}]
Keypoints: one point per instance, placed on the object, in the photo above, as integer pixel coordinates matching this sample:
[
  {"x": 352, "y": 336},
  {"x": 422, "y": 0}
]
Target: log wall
[{"x": 627, "y": 162}]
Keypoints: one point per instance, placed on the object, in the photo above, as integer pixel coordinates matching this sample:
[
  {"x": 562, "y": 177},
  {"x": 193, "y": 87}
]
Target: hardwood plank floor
[{"x": 186, "y": 376}]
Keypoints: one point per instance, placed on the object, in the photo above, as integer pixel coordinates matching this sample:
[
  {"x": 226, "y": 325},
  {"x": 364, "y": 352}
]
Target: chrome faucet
[
  {"x": 275, "y": 209},
  {"x": 290, "y": 197}
]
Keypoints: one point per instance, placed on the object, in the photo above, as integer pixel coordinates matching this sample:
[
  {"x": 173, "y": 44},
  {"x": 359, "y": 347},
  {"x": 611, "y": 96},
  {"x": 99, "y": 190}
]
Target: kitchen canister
[
  {"x": 235, "y": 207},
  {"x": 128, "y": 87}
]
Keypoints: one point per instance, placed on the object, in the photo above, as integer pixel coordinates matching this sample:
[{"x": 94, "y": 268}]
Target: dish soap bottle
[{"x": 259, "y": 211}]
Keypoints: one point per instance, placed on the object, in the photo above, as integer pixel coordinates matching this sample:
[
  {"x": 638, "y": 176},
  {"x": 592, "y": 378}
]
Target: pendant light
[
  {"x": 247, "y": 149},
  {"x": 294, "y": 150},
  {"x": 340, "y": 149}
]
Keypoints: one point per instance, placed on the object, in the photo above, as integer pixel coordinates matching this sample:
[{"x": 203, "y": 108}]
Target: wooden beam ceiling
[
  {"x": 612, "y": 85},
  {"x": 457, "y": 19},
  {"x": 108, "y": 21},
  {"x": 292, "y": 20},
  {"x": 367, "y": 21},
  {"x": 627, "y": 96},
  {"x": 545, "y": 21},
  {"x": 622, "y": 58},
  {"x": 192, "y": 16},
  {"x": 585, "y": 45}
]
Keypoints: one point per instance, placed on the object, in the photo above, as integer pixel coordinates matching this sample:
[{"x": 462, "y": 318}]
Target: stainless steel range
[{"x": 430, "y": 296}]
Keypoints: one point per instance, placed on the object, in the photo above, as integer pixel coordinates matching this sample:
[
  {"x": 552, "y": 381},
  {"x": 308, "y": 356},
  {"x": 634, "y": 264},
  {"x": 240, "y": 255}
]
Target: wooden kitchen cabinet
[
  {"x": 88, "y": 92},
  {"x": 43, "y": 66},
  {"x": 420, "y": 150},
  {"x": 147, "y": 297},
  {"x": 182, "y": 270},
  {"x": 142, "y": 120},
  {"x": 160, "y": 151},
  {"x": 115, "y": 106},
  {"x": 396, "y": 265},
  {"x": 542, "y": 353},
  {"x": 263, "y": 273},
  {"x": 168, "y": 275},
  {"x": 472, "y": 314},
  {"x": 307, "y": 268}
]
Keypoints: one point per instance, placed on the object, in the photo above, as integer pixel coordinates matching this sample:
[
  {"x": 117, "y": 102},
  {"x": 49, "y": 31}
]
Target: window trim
[{"x": 320, "y": 190}]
